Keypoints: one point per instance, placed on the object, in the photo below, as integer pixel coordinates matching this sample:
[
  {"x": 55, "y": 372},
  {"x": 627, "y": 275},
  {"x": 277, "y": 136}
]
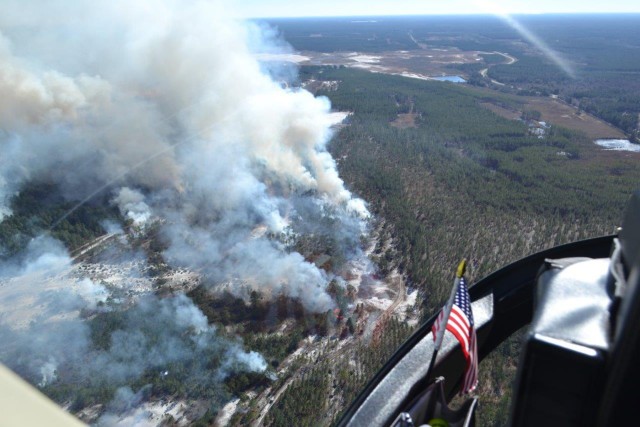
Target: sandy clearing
[
  {"x": 367, "y": 59},
  {"x": 282, "y": 57},
  {"x": 151, "y": 414},
  {"x": 337, "y": 117},
  {"x": 226, "y": 413}
]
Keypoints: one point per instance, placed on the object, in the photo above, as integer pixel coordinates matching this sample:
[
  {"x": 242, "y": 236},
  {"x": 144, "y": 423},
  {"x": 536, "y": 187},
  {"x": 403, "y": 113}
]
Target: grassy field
[
  {"x": 562, "y": 114},
  {"x": 557, "y": 113}
]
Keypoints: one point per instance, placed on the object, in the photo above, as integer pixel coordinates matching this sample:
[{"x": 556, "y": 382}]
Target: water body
[
  {"x": 453, "y": 79},
  {"x": 618, "y": 145}
]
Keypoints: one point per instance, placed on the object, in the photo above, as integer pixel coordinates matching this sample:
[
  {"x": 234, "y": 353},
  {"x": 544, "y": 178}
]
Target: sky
[{"x": 288, "y": 8}]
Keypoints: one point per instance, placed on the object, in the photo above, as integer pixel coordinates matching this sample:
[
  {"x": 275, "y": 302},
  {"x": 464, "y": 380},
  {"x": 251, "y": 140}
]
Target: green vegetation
[
  {"x": 467, "y": 182},
  {"x": 462, "y": 154},
  {"x": 532, "y": 70},
  {"x": 40, "y": 208},
  {"x": 304, "y": 400}
]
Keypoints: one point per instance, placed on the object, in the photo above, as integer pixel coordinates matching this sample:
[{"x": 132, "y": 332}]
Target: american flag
[{"x": 460, "y": 324}]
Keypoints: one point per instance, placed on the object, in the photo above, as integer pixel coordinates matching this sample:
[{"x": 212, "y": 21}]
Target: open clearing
[
  {"x": 561, "y": 114},
  {"x": 424, "y": 63},
  {"x": 404, "y": 121}
]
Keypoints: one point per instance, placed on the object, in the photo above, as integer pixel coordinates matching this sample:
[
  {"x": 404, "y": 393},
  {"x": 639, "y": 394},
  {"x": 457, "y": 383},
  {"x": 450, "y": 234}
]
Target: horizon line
[{"x": 423, "y": 15}]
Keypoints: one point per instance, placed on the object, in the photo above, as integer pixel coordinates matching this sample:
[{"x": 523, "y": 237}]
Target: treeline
[
  {"x": 393, "y": 33},
  {"x": 344, "y": 34},
  {"x": 259, "y": 316},
  {"x": 614, "y": 97}
]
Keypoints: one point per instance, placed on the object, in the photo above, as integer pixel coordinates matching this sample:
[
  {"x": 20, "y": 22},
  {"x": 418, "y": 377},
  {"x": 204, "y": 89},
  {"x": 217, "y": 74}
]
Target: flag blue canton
[{"x": 462, "y": 300}]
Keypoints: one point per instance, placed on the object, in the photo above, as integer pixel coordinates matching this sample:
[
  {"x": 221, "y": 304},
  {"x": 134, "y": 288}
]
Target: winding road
[{"x": 510, "y": 60}]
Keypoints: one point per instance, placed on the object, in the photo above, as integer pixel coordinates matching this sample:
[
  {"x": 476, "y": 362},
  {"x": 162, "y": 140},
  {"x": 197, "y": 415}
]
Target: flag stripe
[
  {"x": 460, "y": 335},
  {"x": 460, "y": 316}
]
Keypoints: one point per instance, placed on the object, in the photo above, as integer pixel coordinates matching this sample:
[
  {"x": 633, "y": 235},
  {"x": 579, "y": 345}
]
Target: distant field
[{"x": 561, "y": 114}]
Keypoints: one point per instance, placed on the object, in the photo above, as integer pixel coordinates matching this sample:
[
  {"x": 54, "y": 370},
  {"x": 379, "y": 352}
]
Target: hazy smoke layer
[
  {"x": 164, "y": 102},
  {"x": 45, "y": 339}
]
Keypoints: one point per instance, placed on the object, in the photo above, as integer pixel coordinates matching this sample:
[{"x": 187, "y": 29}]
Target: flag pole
[{"x": 447, "y": 311}]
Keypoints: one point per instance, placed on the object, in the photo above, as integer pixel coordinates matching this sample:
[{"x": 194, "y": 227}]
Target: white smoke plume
[
  {"x": 46, "y": 339},
  {"x": 132, "y": 206},
  {"x": 164, "y": 104}
]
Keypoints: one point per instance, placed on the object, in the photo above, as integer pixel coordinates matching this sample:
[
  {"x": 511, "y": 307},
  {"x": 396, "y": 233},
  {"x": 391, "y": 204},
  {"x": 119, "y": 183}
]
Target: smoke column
[
  {"x": 163, "y": 106},
  {"x": 167, "y": 104}
]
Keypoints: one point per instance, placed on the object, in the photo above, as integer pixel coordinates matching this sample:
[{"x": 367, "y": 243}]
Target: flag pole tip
[{"x": 462, "y": 267}]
